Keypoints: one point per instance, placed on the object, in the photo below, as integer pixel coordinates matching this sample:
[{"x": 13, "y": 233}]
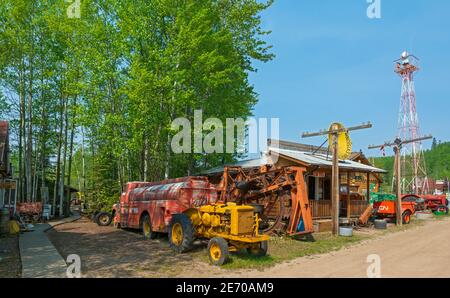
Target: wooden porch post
[
  {"x": 349, "y": 214},
  {"x": 368, "y": 187},
  {"x": 335, "y": 186},
  {"x": 397, "y": 174}
]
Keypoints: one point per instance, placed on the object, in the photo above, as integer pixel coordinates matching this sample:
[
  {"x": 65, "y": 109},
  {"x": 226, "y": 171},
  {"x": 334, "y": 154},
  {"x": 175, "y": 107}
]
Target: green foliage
[
  {"x": 101, "y": 200},
  {"x": 116, "y": 78},
  {"x": 437, "y": 161}
]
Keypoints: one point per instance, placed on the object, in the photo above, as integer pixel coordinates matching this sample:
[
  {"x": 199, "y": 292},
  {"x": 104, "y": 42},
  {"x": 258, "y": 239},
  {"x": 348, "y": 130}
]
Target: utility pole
[
  {"x": 334, "y": 131},
  {"x": 397, "y": 146}
]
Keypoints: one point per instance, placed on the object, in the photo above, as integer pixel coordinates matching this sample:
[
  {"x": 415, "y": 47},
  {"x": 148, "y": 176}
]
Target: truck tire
[
  {"x": 380, "y": 224},
  {"x": 406, "y": 217},
  {"x": 181, "y": 233},
  {"x": 146, "y": 227},
  {"x": 103, "y": 219},
  {"x": 260, "y": 250},
  {"x": 218, "y": 251}
]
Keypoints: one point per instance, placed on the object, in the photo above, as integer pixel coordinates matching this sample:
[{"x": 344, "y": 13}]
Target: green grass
[
  {"x": 286, "y": 248},
  {"x": 441, "y": 217}
]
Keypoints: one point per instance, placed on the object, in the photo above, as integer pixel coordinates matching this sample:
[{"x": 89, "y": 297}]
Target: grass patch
[
  {"x": 441, "y": 217},
  {"x": 413, "y": 223},
  {"x": 286, "y": 248}
]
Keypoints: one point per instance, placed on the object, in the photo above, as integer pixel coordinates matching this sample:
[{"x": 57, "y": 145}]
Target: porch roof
[
  {"x": 246, "y": 164},
  {"x": 322, "y": 160}
]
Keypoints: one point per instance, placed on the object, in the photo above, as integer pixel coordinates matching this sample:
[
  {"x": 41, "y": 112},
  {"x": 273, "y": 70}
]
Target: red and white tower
[{"x": 413, "y": 170}]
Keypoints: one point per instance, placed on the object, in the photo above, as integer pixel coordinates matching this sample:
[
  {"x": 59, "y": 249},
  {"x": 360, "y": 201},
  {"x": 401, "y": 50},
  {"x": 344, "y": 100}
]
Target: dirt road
[
  {"x": 421, "y": 251},
  {"x": 418, "y": 252},
  {"x": 109, "y": 252},
  {"x": 10, "y": 265}
]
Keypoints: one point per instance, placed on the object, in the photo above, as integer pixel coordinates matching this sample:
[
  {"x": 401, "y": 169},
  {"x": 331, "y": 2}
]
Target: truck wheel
[
  {"x": 260, "y": 250},
  {"x": 146, "y": 227},
  {"x": 181, "y": 233},
  {"x": 103, "y": 219},
  {"x": 406, "y": 217},
  {"x": 218, "y": 251}
]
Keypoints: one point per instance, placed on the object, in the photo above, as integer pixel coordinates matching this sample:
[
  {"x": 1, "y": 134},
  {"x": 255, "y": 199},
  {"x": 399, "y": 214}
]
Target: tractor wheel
[
  {"x": 260, "y": 250},
  {"x": 146, "y": 227},
  {"x": 406, "y": 217},
  {"x": 181, "y": 233},
  {"x": 103, "y": 219},
  {"x": 442, "y": 209},
  {"x": 218, "y": 251}
]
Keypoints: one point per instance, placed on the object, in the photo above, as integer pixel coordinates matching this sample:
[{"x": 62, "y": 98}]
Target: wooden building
[{"x": 357, "y": 176}]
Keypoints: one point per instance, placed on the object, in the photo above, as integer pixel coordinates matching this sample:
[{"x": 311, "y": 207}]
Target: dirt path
[
  {"x": 110, "y": 252},
  {"x": 10, "y": 265},
  {"x": 423, "y": 251}
]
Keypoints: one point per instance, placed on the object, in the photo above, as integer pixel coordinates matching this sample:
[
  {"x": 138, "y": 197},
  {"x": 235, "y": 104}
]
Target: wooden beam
[
  {"x": 349, "y": 214},
  {"x": 368, "y": 187},
  {"x": 398, "y": 186},
  {"x": 335, "y": 187},
  {"x": 334, "y": 131}
]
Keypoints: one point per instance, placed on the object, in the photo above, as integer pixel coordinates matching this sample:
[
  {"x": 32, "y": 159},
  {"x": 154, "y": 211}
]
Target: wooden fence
[{"x": 321, "y": 209}]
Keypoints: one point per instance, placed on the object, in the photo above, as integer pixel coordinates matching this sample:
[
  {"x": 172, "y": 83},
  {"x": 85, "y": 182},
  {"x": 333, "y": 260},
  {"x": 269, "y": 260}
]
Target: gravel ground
[
  {"x": 111, "y": 252},
  {"x": 422, "y": 251},
  {"x": 10, "y": 265}
]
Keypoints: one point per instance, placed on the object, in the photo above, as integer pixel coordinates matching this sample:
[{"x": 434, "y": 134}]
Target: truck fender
[{"x": 194, "y": 215}]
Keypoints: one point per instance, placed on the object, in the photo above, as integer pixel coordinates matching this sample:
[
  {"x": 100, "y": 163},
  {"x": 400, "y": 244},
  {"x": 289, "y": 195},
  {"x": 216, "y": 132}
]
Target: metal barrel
[{"x": 4, "y": 221}]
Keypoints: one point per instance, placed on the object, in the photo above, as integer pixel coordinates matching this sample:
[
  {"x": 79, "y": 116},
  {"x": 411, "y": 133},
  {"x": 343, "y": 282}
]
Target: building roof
[
  {"x": 246, "y": 164},
  {"x": 312, "y": 149},
  {"x": 305, "y": 158},
  {"x": 322, "y": 160},
  {"x": 296, "y": 146}
]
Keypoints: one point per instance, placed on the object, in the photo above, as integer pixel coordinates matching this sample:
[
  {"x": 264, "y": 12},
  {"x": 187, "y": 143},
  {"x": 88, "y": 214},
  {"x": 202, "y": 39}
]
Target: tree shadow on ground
[{"x": 110, "y": 252}]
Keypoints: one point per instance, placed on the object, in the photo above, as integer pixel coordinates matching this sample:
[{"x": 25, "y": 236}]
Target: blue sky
[{"x": 333, "y": 63}]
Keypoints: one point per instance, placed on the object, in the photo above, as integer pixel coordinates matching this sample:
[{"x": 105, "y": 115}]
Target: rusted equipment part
[
  {"x": 30, "y": 212},
  {"x": 282, "y": 191},
  {"x": 364, "y": 218}
]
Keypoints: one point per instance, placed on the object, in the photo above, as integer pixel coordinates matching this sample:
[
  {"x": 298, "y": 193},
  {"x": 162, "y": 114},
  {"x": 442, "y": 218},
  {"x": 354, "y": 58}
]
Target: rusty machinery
[
  {"x": 279, "y": 194},
  {"x": 187, "y": 208}
]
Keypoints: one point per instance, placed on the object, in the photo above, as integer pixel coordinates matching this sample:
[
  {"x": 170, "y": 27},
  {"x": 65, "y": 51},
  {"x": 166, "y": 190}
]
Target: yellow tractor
[{"x": 229, "y": 227}]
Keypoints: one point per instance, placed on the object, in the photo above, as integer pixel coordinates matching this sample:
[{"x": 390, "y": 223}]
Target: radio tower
[{"x": 413, "y": 170}]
